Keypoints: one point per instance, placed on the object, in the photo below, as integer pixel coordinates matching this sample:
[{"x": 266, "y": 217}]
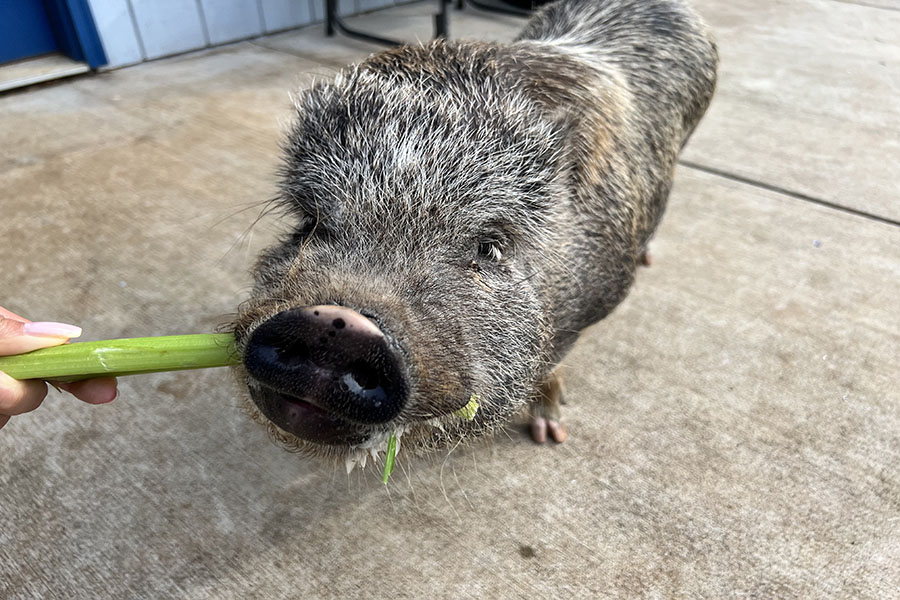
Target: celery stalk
[
  {"x": 469, "y": 411},
  {"x": 115, "y": 358}
]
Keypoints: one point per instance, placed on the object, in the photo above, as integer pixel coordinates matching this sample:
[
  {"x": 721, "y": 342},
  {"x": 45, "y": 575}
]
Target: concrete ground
[{"x": 734, "y": 425}]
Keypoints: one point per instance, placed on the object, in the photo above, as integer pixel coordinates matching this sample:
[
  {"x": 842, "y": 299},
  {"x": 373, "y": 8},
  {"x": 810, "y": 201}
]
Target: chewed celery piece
[
  {"x": 131, "y": 356},
  {"x": 468, "y": 411},
  {"x": 389, "y": 458}
]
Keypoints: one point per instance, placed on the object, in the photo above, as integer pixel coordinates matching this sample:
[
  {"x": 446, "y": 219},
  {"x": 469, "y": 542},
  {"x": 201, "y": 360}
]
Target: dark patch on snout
[{"x": 326, "y": 372}]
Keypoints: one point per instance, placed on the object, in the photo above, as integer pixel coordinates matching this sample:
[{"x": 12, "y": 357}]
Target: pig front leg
[{"x": 545, "y": 411}]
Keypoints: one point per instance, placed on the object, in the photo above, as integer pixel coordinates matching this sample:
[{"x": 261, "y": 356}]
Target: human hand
[{"x": 19, "y": 335}]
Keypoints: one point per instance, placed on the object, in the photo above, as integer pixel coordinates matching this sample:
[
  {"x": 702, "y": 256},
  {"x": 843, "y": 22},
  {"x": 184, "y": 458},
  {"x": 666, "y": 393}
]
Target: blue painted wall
[{"x": 25, "y": 30}]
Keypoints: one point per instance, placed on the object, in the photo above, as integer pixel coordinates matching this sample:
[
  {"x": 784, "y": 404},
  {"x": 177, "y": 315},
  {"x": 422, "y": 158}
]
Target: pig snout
[{"x": 325, "y": 370}]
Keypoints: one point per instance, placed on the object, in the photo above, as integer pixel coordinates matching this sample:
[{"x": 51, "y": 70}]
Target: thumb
[{"x": 18, "y": 337}]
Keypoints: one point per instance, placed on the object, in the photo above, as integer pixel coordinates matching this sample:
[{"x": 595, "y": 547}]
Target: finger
[
  {"x": 17, "y": 337},
  {"x": 11, "y": 315},
  {"x": 93, "y": 391},
  {"x": 17, "y": 397}
]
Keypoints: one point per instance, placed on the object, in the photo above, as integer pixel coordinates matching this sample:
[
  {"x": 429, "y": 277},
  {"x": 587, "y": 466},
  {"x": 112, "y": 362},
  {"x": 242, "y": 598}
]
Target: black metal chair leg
[
  {"x": 334, "y": 22},
  {"x": 441, "y": 22},
  {"x": 330, "y": 10}
]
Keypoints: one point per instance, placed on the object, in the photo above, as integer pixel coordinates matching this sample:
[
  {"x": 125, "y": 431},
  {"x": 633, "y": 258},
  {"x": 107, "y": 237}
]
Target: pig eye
[
  {"x": 305, "y": 229},
  {"x": 490, "y": 249}
]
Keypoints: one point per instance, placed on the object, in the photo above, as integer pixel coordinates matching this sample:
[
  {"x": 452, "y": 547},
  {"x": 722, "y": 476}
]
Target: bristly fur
[{"x": 486, "y": 202}]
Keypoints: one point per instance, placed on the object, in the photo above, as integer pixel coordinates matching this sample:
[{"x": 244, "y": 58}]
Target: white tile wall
[{"x": 136, "y": 30}]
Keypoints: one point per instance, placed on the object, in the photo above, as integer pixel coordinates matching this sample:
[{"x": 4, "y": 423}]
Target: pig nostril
[
  {"x": 365, "y": 384},
  {"x": 364, "y": 376},
  {"x": 293, "y": 354},
  {"x": 339, "y": 323}
]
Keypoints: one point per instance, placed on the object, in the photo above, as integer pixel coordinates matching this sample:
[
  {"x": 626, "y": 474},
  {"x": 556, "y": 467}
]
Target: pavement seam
[
  {"x": 786, "y": 192},
  {"x": 868, "y": 4},
  {"x": 332, "y": 64}
]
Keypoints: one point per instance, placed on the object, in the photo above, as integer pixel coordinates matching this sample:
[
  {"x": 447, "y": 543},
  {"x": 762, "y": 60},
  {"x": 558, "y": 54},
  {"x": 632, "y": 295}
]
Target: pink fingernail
[{"x": 50, "y": 329}]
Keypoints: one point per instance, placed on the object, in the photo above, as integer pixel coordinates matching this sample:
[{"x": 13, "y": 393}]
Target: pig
[{"x": 458, "y": 213}]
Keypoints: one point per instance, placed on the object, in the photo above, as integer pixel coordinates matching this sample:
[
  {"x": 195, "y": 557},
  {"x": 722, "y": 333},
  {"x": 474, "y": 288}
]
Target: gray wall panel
[
  {"x": 168, "y": 26},
  {"x": 117, "y": 32},
  {"x": 285, "y": 14},
  {"x": 229, "y": 20}
]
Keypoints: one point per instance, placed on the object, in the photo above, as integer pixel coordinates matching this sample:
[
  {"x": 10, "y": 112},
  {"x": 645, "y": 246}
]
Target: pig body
[{"x": 463, "y": 210}]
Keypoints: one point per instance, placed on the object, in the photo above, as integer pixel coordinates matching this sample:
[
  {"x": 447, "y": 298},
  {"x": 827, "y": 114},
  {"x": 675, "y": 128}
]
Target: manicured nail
[{"x": 50, "y": 329}]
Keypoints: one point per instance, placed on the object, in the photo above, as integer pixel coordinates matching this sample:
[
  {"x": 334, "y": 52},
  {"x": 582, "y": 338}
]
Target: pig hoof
[
  {"x": 539, "y": 429},
  {"x": 545, "y": 417},
  {"x": 541, "y": 426},
  {"x": 557, "y": 431}
]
